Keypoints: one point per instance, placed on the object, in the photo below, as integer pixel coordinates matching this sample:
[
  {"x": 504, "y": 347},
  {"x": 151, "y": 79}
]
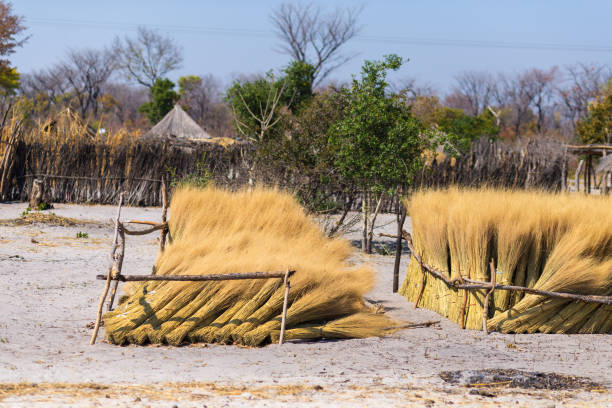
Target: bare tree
[
  {"x": 86, "y": 72},
  {"x": 540, "y": 87},
  {"x": 513, "y": 94},
  {"x": 474, "y": 90},
  {"x": 147, "y": 57},
  {"x": 201, "y": 97},
  {"x": 582, "y": 84},
  {"x": 49, "y": 84},
  {"x": 120, "y": 106},
  {"x": 310, "y": 36},
  {"x": 410, "y": 88}
]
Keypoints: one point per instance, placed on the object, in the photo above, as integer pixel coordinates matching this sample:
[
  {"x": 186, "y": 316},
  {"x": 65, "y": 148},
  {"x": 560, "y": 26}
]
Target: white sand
[{"x": 49, "y": 294}]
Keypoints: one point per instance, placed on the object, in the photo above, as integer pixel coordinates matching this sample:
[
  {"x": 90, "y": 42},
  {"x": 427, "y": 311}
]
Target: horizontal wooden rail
[
  {"x": 155, "y": 227},
  {"x": 198, "y": 278},
  {"x": 53, "y": 176},
  {"x": 469, "y": 284}
]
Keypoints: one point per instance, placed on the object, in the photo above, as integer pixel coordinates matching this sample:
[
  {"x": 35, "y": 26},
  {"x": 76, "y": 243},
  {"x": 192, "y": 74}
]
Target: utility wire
[{"x": 363, "y": 38}]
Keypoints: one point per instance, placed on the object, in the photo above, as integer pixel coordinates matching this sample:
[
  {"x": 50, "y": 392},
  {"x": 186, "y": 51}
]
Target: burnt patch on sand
[{"x": 510, "y": 378}]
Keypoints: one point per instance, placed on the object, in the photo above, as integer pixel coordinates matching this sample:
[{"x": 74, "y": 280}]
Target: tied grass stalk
[
  {"x": 205, "y": 333},
  {"x": 356, "y": 326},
  {"x": 223, "y": 335},
  {"x": 174, "y": 310},
  {"x": 321, "y": 304},
  {"x": 168, "y": 323}
]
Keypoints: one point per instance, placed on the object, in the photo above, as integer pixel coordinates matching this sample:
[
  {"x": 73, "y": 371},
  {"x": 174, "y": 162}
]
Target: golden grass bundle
[
  {"x": 552, "y": 242},
  {"x": 262, "y": 230}
]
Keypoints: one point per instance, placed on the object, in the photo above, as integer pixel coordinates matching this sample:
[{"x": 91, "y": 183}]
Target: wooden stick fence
[
  {"x": 114, "y": 271},
  {"x": 469, "y": 284}
]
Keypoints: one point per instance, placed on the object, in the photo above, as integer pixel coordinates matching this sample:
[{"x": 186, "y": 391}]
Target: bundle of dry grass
[
  {"x": 552, "y": 242},
  {"x": 216, "y": 231}
]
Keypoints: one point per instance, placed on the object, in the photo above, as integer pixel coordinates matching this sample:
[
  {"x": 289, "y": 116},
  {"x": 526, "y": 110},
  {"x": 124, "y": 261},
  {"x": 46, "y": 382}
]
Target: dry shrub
[
  {"x": 217, "y": 231},
  {"x": 554, "y": 242}
]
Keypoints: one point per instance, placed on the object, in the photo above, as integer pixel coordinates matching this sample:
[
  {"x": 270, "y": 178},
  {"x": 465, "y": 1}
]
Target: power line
[{"x": 439, "y": 42}]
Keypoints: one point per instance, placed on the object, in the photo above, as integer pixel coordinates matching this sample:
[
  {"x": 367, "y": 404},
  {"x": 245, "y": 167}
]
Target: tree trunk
[
  {"x": 372, "y": 223},
  {"x": 364, "y": 221}
]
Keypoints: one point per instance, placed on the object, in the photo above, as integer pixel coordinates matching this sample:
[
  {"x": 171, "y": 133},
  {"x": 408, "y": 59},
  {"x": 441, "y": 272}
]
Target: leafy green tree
[
  {"x": 596, "y": 127},
  {"x": 260, "y": 104},
  {"x": 378, "y": 142},
  {"x": 11, "y": 28},
  {"x": 460, "y": 128},
  {"x": 163, "y": 97}
]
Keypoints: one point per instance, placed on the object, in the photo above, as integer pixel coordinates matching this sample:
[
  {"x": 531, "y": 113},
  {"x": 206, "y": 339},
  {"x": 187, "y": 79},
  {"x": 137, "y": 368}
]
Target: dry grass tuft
[
  {"x": 554, "y": 242},
  {"x": 216, "y": 231}
]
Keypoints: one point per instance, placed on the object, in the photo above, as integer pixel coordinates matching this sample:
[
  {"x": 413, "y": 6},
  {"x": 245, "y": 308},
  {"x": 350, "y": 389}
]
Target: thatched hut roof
[{"x": 177, "y": 124}]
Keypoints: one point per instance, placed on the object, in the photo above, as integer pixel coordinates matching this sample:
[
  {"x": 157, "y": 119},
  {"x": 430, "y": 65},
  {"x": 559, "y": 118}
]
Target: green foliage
[
  {"x": 299, "y": 76},
  {"x": 163, "y": 97},
  {"x": 187, "y": 82},
  {"x": 9, "y": 79},
  {"x": 253, "y": 99},
  {"x": 596, "y": 127},
  {"x": 201, "y": 177},
  {"x": 83, "y": 235},
  {"x": 43, "y": 206},
  {"x": 378, "y": 142},
  {"x": 26, "y": 212},
  {"x": 460, "y": 128}
]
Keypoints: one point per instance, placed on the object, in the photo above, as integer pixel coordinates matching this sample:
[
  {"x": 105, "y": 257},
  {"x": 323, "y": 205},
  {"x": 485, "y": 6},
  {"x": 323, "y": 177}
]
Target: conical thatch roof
[{"x": 177, "y": 123}]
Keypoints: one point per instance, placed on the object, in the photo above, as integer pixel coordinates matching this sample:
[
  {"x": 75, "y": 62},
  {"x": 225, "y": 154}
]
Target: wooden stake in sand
[
  {"x": 485, "y": 311},
  {"x": 164, "y": 231},
  {"x": 285, "y": 300},
  {"x": 117, "y": 269},
  {"x": 401, "y": 218},
  {"x": 109, "y": 276}
]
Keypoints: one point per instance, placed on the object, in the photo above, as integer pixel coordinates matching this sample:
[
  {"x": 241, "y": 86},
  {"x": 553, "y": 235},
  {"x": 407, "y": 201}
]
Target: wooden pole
[
  {"x": 422, "y": 288},
  {"x": 285, "y": 301},
  {"x": 464, "y": 305},
  {"x": 109, "y": 275},
  {"x": 198, "y": 278},
  {"x": 485, "y": 311},
  {"x": 577, "y": 175},
  {"x": 401, "y": 218},
  {"x": 585, "y": 175},
  {"x": 118, "y": 267},
  {"x": 164, "y": 231}
]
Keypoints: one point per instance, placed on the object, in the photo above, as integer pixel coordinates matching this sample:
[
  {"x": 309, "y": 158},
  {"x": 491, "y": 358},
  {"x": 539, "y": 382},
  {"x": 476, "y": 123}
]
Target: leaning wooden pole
[
  {"x": 109, "y": 275},
  {"x": 485, "y": 310},
  {"x": 285, "y": 301},
  {"x": 119, "y": 266},
  {"x": 164, "y": 231}
]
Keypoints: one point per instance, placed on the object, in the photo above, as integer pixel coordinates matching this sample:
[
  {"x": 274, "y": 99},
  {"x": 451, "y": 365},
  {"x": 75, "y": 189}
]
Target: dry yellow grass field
[{"x": 553, "y": 242}]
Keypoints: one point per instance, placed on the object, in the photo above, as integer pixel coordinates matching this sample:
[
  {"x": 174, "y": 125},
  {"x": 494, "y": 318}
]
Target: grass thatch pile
[
  {"x": 552, "y": 242},
  {"x": 216, "y": 231}
]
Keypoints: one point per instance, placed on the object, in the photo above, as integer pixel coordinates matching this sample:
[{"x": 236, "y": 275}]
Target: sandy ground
[{"x": 49, "y": 294}]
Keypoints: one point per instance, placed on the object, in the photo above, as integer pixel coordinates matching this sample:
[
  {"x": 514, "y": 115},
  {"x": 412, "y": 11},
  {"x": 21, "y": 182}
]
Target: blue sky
[{"x": 441, "y": 38}]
